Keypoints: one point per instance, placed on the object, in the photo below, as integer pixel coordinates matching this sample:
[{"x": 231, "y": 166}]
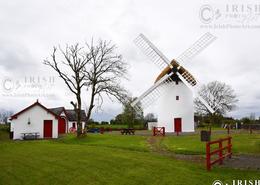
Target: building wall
[
  {"x": 37, "y": 116},
  {"x": 151, "y": 125},
  {"x": 170, "y": 108}
]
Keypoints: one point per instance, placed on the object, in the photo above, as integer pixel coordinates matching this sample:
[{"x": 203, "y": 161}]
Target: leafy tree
[
  {"x": 246, "y": 120},
  {"x": 129, "y": 116},
  {"x": 104, "y": 123},
  {"x": 150, "y": 117},
  {"x": 132, "y": 116}
]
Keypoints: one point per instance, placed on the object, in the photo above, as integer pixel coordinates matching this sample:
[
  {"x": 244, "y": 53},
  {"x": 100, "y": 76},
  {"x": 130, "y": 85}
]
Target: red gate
[
  {"x": 158, "y": 131},
  {"x": 218, "y": 151}
]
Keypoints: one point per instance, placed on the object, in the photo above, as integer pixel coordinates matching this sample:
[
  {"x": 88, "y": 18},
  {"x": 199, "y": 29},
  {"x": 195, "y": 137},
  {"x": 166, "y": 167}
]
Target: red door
[
  {"x": 61, "y": 126},
  {"x": 47, "y": 129},
  {"x": 177, "y": 125}
]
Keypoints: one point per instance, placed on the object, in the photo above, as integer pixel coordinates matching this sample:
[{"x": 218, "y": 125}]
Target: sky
[{"x": 30, "y": 29}]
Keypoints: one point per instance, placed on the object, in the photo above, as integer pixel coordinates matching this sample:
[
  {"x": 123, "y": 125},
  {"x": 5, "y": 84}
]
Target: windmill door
[
  {"x": 47, "y": 129},
  {"x": 177, "y": 125}
]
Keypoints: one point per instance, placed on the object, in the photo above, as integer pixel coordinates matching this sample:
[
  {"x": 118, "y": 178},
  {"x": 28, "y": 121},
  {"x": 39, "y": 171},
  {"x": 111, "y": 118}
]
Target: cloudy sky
[{"x": 29, "y": 30}]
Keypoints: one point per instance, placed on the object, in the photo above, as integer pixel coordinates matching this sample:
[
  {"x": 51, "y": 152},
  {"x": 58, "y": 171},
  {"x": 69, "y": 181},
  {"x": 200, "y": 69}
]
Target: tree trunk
[
  {"x": 78, "y": 116},
  {"x": 91, "y": 106}
]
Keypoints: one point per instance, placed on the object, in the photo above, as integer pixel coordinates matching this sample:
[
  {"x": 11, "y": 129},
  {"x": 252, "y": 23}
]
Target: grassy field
[
  {"x": 109, "y": 159},
  {"x": 116, "y": 126}
]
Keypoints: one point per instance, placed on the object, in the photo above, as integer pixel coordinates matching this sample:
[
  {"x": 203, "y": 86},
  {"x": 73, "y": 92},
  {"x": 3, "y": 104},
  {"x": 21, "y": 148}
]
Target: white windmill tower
[{"x": 175, "y": 87}]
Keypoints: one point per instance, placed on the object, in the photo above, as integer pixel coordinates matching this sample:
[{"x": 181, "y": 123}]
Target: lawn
[{"x": 103, "y": 159}]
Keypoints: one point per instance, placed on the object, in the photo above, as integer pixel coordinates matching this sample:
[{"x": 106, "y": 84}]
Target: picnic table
[
  {"x": 128, "y": 131},
  {"x": 30, "y": 135}
]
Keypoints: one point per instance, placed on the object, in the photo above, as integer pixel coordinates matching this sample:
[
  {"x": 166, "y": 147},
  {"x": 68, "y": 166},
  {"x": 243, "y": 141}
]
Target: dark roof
[
  {"x": 57, "y": 110},
  {"x": 29, "y": 107},
  {"x": 71, "y": 115}
]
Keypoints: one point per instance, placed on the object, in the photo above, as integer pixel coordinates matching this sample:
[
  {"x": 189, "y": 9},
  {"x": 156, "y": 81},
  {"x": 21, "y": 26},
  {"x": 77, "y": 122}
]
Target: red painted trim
[{"x": 29, "y": 107}]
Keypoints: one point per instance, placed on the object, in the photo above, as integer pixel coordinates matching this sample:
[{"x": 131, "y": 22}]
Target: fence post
[
  {"x": 163, "y": 131},
  {"x": 250, "y": 129},
  {"x": 220, "y": 154},
  {"x": 229, "y": 146},
  {"x": 153, "y": 131},
  {"x": 208, "y": 156},
  {"x": 228, "y": 129}
]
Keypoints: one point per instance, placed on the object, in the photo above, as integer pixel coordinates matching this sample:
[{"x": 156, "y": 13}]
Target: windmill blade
[
  {"x": 204, "y": 102},
  {"x": 196, "y": 48},
  {"x": 152, "y": 94},
  {"x": 149, "y": 49},
  {"x": 212, "y": 108}
]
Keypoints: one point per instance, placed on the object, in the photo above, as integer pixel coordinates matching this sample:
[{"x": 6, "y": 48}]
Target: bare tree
[
  {"x": 103, "y": 74},
  {"x": 70, "y": 65},
  {"x": 223, "y": 94},
  {"x": 4, "y": 115}
]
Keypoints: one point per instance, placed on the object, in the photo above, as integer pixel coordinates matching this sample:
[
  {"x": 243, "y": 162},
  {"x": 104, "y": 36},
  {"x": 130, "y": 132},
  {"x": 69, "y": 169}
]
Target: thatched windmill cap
[{"x": 184, "y": 72}]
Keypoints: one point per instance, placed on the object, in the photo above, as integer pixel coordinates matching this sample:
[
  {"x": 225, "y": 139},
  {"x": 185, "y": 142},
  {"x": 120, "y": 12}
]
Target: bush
[
  {"x": 104, "y": 123},
  {"x": 5, "y": 128}
]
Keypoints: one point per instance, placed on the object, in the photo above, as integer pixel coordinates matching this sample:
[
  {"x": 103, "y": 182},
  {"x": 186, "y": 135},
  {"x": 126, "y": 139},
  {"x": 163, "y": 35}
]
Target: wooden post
[
  {"x": 208, "y": 156},
  {"x": 153, "y": 131},
  {"x": 228, "y": 129},
  {"x": 163, "y": 131},
  {"x": 229, "y": 146},
  {"x": 251, "y": 131},
  {"x": 220, "y": 154}
]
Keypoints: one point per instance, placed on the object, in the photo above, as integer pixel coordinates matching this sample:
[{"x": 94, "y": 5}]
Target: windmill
[{"x": 174, "y": 87}]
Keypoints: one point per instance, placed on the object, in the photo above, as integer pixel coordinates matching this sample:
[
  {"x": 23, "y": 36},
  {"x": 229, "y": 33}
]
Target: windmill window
[
  {"x": 177, "y": 97},
  {"x": 176, "y": 82}
]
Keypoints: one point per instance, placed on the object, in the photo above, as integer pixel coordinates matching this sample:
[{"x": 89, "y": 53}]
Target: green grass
[
  {"x": 102, "y": 159},
  {"x": 116, "y": 126},
  {"x": 127, "y": 142},
  {"x": 243, "y": 143}
]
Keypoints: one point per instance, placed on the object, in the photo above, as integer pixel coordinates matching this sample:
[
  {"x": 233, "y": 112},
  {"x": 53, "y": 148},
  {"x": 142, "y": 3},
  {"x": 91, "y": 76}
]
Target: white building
[
  {"x": 175, "y": 110},
  {"x": 38, "y": 120},
  {"x": 175, "y": 105}
]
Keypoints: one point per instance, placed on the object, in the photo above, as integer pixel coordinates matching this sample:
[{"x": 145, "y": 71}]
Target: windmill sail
[
  {"x": 153, "y": 93},
  {"x": 196, "y": 48},
  {"x": 149, "y": 49}
]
